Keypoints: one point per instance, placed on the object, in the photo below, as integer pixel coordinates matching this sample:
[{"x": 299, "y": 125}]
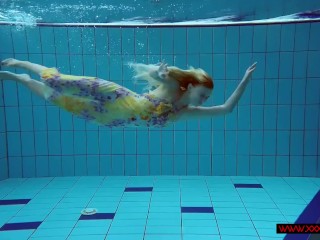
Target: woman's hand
[
  {"x": 225, "y": 108},
  {"x": 163, "y": 71},
  {"x": 236, "y": 95},
  {"x": 159, "y": 71},
  {"x": 251, "y": 69},
  {"x": 247, "y": 76}
]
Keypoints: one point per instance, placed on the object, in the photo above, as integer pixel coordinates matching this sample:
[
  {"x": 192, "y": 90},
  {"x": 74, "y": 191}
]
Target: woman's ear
[
  {"x": 183, "y": 88},
  {"x": 190, "y": 87}
]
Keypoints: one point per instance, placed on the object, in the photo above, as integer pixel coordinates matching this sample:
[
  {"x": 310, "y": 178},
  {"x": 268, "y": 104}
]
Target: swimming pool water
[
  {"x": 274, "y": 131},
  {"x": 229, "y": 177}
]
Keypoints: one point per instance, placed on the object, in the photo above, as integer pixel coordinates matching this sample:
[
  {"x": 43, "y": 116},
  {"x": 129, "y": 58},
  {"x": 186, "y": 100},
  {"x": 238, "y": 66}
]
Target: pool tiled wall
[
  {"x": 274, "y": 130},
  {"x": 3, "y": 138}
]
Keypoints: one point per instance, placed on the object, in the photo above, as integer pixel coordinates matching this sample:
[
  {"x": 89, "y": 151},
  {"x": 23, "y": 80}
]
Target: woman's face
[{"x": 198, "y": 95}]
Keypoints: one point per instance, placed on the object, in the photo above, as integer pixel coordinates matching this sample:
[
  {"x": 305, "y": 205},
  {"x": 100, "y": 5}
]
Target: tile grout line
[
  {"x": 244, "y": 206},
  {"x": 102, "y": 181},
  {"x": 211, "y": 201},
  {"x": 30, "y": 200},
  {"x": 120, "y": 200},
  {"x": 145, "y": 228}
]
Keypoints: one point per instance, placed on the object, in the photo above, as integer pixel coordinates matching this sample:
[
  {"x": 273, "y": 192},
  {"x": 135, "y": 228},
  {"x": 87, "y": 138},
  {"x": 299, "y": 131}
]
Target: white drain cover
[{"x": 89, "y": 211}]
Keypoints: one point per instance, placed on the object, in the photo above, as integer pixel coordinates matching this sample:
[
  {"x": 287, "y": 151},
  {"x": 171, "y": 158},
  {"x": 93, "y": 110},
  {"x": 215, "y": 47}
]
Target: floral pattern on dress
[{"x": 107, "y": 103}]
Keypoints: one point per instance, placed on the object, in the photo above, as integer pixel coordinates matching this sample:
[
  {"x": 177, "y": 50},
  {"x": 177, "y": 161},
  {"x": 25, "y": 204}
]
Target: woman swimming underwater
[{"x": 176, "y": 94}]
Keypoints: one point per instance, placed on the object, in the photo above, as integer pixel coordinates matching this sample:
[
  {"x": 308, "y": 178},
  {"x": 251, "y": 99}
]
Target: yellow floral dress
[{"x": 105, "y": 102}]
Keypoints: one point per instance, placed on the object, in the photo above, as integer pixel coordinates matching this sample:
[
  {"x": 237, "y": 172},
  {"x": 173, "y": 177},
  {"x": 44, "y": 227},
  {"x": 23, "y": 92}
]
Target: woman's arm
[{"x": 223, "y": 109}]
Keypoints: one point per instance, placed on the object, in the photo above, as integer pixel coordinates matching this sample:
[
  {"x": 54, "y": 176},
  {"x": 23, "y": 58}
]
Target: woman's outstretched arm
[{"x": 227, "y": 107}]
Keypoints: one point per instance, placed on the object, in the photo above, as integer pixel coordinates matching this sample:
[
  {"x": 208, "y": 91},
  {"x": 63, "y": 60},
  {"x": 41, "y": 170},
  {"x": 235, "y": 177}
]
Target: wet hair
[{"x": 195, "y": 77}]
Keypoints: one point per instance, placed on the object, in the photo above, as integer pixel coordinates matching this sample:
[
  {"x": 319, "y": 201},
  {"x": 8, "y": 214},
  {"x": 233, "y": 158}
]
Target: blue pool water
[
  {"x": 178, "y": 182},
  {"x": 85, "y": 11}
]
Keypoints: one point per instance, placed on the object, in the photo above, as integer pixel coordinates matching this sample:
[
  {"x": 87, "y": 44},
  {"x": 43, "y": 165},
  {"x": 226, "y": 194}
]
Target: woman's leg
[
  {"x": 32, "y": 67},
  {"x": 37, "y": 87}
]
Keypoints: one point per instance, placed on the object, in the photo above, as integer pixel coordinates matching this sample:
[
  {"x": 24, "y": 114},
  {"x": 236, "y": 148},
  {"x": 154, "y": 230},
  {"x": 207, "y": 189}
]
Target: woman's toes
[
  {"x": 5, "y": 75},
  {"x": 9, "y": 62}
]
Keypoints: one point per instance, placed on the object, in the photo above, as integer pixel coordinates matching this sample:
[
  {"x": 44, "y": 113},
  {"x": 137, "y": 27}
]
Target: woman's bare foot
[
  {"x": 9, "y": 62},
  {"x": 5, "y": 75}
]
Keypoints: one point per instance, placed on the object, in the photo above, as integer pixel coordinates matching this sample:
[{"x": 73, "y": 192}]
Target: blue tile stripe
[
  {"x": 139, "y": 189},
  {"x": 197, "y": 210},
  {"x": 311, "y": 214},
  {"x": 14, "y": 201},
  {"x": 97, "y": 216},
  {"x": 246, "y": 185},
  {"x": 20, "y": 226}
]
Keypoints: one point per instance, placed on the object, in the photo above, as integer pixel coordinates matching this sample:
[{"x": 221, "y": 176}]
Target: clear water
[
  {"x": 62, "y": 164},
  {"x": 154, "y": 11}
]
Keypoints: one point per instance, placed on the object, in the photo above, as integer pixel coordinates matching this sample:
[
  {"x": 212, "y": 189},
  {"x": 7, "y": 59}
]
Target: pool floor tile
[
  {"x": 57, "y": 224},
  {"x": 94, "y": 223},
  {"x": 97, "y": 216},
  {"x": 163, "y": 222},
  {"x": 247, "y": 185},
  {"x": 167, "y": 230},
  {"x": 212, "y": 230},
  {"x": 201, "y": 237},
  {"x": 53, "y": 232},
  {"x": 238, "y": 231},
  {"x": 233, "y": 224},
  {"x": 162, "y": 237},
  {"x": 199, "y": 223},
  {"x": 85, "y": 237},
  {"x": 16, "y": 235},
  {"x": 14, "y": 201},
  {"x": 229, "y": 237},
  {"x": 197, "y": 210},
  {"x": 20, "y": 226},
  {"x": 128, "y": 222},
  {"x": 139, "y": 189},
  {"x": 124, "y": 237},
  {"x": 79, "y": 231},
  {"x": 169, "y": 208},
  {"x": 126, "y": 230}
]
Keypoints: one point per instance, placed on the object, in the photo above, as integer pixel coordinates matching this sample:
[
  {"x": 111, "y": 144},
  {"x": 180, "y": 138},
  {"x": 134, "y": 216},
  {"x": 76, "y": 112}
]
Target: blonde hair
[{"x": 195, "y": 77}]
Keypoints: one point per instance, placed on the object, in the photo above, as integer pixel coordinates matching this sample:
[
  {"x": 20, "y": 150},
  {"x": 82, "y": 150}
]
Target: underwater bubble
[{"x": 19, "y": 18}]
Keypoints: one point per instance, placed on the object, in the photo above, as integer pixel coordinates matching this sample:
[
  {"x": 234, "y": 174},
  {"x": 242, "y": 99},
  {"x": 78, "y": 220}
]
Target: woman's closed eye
[{"x": 204, "y": 97}]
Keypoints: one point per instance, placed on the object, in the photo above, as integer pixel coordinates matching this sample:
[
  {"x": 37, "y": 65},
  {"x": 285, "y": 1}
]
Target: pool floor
[{"x": 152, "y": 208}]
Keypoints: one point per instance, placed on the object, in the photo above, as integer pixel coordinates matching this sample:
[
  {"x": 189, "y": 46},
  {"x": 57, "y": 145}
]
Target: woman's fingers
[
  {"x": 252, "y": 68},
  {"x": 163, "y": 67}
]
